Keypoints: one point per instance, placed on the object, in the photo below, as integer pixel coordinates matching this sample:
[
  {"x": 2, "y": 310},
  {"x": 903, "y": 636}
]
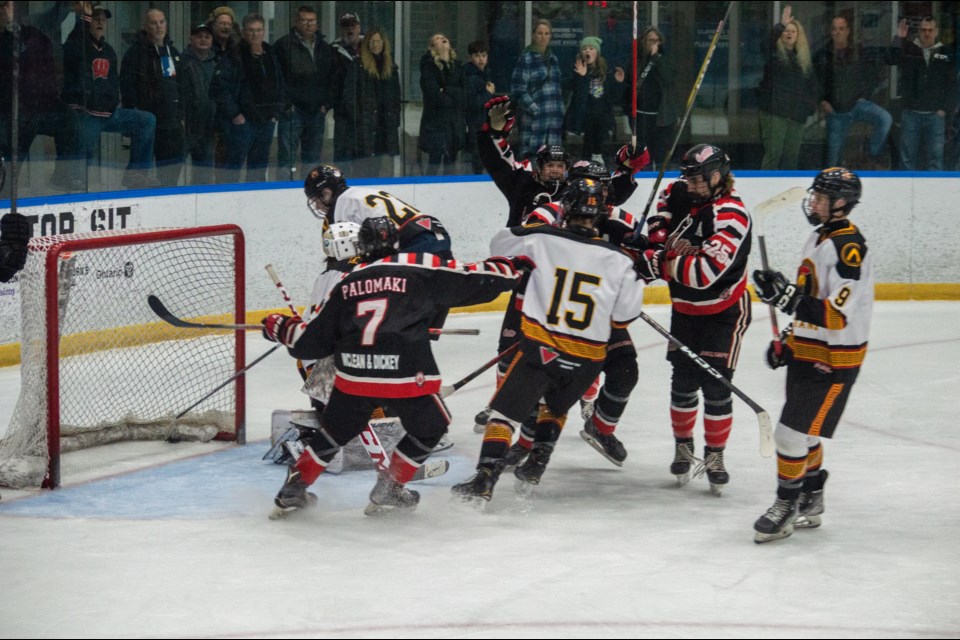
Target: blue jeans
[
  {"x": 838, "y": 125},
  {"x": 139, "y": 125},
  {"x": 249, "y": 142},
  {"x": 914, "y": 126},
  {"x": 297, "y": 127}
]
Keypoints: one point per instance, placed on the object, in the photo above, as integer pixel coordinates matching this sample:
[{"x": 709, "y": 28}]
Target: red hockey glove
[
  {"x": 521, "y": 265},
  {"x": 657, "y": 231},
  {"x": 632, "y": 159},
  {"x": 650, "y": 264},
  {"x": 280, "y": 328},
  {"x": 500, "y": 118}
]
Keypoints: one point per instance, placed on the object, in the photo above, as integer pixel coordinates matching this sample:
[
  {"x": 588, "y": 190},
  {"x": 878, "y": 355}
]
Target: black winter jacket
[{"x": 150, "y": 80}]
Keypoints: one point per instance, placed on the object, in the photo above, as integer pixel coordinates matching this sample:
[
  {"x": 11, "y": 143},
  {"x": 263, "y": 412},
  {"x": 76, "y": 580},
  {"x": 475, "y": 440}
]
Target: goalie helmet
[
  {"x": 837, "y": 183},
  {"x": 340, "y": 240},
  {"x": 324, "y": 176},
  {"x": 583, "y": 198},
  {"x": 703, "y": 160},
  {"x": 378, "y": 238}
]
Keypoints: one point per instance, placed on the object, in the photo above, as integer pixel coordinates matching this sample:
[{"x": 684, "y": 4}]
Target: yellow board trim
[{"x": 10, "y": 353}]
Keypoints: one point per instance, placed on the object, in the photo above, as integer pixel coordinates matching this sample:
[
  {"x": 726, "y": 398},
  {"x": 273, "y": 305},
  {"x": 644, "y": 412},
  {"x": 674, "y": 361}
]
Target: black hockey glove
[
  {"x": 500, "y": 118},
  {"x": 778, "y": 352},
  {"x": 679, "y": 201},
  {"x": 774, "y": 289},
  {"x": 14, "y": 236},
  {"x": 632, "y": 160},
  {"x": 649, "y": 265}
]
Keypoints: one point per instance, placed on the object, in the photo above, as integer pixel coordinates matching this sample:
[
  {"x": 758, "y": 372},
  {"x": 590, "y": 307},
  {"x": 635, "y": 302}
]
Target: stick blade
[
  {"x": 767, "y": 447},
  {"x": 781, "y": 200}
]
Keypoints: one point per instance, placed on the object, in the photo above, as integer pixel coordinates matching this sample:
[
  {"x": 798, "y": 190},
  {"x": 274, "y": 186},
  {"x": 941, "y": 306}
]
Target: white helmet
[{"x": 340, "y": 240}]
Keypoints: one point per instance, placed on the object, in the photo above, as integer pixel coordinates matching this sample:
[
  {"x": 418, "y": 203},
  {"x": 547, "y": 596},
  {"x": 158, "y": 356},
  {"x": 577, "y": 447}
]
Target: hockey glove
[
  {"x": 14, "y": 236},
  {"x": 679, "y": 201},
  {"x": 658, "y": 229},
  {"x": 520, "y": 265},
  {"x": 631, "y": 159},
  {"x": 650, "y": 264},
  {"x": 280, "y": 328},
  {"x": 500, "y": 118},
  {"x": 779, "y": 353},
  {"x": 774, "y": 289}
]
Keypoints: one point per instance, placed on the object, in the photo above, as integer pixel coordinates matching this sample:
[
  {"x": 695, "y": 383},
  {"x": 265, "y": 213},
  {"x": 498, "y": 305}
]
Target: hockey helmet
[
  {"x": 340, "y": 240},
  {"x": 703, "y": 160},
  {"x": 837, "y": 183},
  {"x": 593, "y": 170},
  {"x": 324, "y": 176},
  {"x": 378, "y": 237},
  {"x": 583, "y": 198},
  {"x": 552, "y": 153}
]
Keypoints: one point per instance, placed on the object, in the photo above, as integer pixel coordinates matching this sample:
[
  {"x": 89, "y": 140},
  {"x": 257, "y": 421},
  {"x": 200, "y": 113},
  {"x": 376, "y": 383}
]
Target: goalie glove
[
  {"x": 500, "y": 118},
  {"x": 280, "y": 328},
  {"x": 774, "y": 289},
  {"x": 779, "y": 352},
  {"x": 633, "y": 160}
]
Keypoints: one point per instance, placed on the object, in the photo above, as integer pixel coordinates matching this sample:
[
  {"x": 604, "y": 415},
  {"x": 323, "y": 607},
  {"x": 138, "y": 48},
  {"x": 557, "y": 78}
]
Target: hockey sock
[
  {"x": 309, "y": 466},
  {"x": 812, "y": 481},
  {"x": 528, "y": 428},
  {"x": 549, "y": 425},
  {"x": 717, "y": 421},
  {"x": 592, "y": 392},
  {"x": 791, "y": 461},
  {"x": 608, "y": 410},
  {"x": 402, "y": 468},
  {"x": 496, "y": 439},
  {"x": 683, "y": 413}
]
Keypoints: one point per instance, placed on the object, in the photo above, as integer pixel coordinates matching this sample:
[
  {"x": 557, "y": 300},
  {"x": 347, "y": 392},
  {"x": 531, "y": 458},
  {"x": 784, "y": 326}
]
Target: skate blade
[
  {"x": 760, "y": 538},
  {"x": 807, "y": 522},
  {"x": 596, "y": 445},
  {"x": 382, "y": 510},
  {"x": 479, "y": 428},
  {"x": 525, "y": 489},
  {"x": 469, "y": 503},
  {"x": 717, "y": 489},
  {"x": 683, "y": 478},
  {"x": 443, "y": 445},
  {"x": 279, "y": 513}
]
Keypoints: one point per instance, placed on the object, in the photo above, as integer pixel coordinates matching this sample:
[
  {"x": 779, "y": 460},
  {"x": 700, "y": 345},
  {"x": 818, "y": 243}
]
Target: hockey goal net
[{"x": 98, "y": 366}]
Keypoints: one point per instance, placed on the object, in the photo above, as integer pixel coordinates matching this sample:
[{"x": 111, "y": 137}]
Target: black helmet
[
  {"x": 583, "y": 198},
  {"x": 324, "y": 176},
  {"x": 836, "y": 183},
  {"x": 703, "y": 160},
  {"x": 551, "y": 153},
  {"x": 378, "y": 238},
  {"x": 593, "y": 170}
]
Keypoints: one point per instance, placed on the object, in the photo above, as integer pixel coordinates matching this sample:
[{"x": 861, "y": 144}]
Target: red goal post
[{"x": 97, "y": 366}]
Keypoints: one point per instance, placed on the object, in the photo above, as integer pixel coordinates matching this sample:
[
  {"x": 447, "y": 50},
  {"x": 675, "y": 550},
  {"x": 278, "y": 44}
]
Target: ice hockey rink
[{"x": 161, "y": 540}]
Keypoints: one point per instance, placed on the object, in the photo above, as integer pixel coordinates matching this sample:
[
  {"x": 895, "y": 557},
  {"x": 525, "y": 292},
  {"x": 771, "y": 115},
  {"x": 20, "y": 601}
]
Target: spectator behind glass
[
  {"x": 91, "y": 86},
  {"x": 199, "y": 63},
  {"x": 346, "y": 92},
  {"x": 535, "y": 89},
  {"x": 786, "y": 95},
  {"x": 590, "y": 113},
  {"x": 307, "y": 63},
  {"x": 149, "y": 81},
  {"x": 378, "y": 131},
  {"x": 226, "y": 39},
  {"x": 41, "y": 112},
  {"x": 847, "y": 79},
  {"x": 443, "y": 128},
  {"x": 249, "y": 88},
  {"x": 927, "y": 90},
  {"x": 656, "y": 104},
  {"x": 479, "y": 89}
]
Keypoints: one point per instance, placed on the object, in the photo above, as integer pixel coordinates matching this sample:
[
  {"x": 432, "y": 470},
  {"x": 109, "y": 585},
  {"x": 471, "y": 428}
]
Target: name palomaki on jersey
[{"x": 374, "y": 285}]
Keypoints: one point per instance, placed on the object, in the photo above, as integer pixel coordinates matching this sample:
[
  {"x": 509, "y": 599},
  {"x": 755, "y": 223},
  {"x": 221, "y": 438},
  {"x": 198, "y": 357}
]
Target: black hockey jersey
[
  {"x": 707, "y": 250},
  {"x": 376, "y": 320}
]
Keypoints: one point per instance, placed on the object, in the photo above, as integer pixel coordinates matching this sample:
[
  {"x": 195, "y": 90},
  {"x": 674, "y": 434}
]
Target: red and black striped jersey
[
  {"x": 375, "y": 320},
  {"x": 707, "y": 251}
]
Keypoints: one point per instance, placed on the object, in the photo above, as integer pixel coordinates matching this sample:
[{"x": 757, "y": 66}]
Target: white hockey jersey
[
  {"x": 832, "y": 319},
  {"x": 356, "y": 204},
  {"x": 582, "y": 286}
]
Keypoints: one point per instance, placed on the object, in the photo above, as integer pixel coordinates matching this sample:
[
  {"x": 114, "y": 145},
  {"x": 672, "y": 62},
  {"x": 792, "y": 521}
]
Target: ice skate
[
  {"x": 389, "y": 496},
  {"x": 712, "y": 465},
  {"x": 777, "y": 522},
  {"x": 529, "y": 473},
  {"x": 480, "y": 420},
  {"x": 479, "y": 488},
  {"x": 516, "y": 454},
  {"x": 683, "y": 461},
  {"x": 608, "y": 445},
  {"x": 293, "y": 496},
  {"x": 810, "y": 505}
]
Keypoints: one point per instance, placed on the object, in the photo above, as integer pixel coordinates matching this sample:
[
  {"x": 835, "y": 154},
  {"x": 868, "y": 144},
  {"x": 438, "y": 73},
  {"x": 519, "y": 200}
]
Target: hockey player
[
  {"x": 331, "y": 200},
  {"x": 580, "y": 288},
  {"x": 699, "y": 243},
  {"x": 832, "y": 302},
  {"x": 375, "y": 323}
]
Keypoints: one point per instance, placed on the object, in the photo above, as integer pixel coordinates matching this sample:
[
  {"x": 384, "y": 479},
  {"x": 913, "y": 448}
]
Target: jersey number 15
[{"x": 574, "y": 295}]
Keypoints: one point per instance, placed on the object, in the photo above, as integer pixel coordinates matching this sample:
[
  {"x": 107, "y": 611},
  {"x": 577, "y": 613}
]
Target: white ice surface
[{"x": 160, "y": 540}]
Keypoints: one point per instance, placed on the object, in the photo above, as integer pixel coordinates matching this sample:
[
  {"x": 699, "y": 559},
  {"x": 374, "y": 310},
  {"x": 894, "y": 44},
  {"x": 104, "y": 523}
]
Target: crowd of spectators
[{"x": 217, "y": 105}]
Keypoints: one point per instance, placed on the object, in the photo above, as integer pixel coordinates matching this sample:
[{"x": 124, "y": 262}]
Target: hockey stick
[
  {"x": 766, "y": 426},
  {"x": 368, "y": 437},
  {"x": 633, "y": 98},
  {"x": 761, "y": 211},
  {"x": 228, "y": 381},
  {"x": 446, "y": 390},
  {"x": 164, "y": 314},
  {"x": 686, "y": 114}
]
